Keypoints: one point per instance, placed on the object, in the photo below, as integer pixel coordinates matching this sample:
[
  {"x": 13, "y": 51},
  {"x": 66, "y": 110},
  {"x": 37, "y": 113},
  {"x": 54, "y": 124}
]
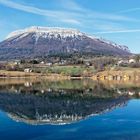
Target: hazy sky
[{"x": 115, "y": 20}]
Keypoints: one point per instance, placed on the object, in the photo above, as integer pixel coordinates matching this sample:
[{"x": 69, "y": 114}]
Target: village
[{"x": 96, "y": 67}]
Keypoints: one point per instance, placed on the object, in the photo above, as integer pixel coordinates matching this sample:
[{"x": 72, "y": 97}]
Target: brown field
[
  {"x": 10, "y": 74},
  {"x": 32, "y": 76}
]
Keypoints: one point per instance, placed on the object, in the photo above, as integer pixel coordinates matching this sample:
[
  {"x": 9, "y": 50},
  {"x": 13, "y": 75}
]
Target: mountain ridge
[{"x": 41, "y": 41}]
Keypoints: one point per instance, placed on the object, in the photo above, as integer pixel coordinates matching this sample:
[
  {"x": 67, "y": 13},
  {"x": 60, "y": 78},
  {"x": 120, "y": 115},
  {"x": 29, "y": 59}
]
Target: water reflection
[{"x": 61, "y": 102}]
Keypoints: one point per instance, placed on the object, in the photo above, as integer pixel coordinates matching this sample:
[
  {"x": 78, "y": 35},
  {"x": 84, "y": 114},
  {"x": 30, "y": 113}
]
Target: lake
[{"x": 69, "y": 110}]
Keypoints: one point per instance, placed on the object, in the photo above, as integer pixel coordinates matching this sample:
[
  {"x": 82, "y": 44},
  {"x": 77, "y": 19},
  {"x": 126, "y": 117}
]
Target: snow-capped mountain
[
  {"x": 41, "y": 41},
  {"x": 43, "y": 109},
  {"x": 47, "y": 32}
]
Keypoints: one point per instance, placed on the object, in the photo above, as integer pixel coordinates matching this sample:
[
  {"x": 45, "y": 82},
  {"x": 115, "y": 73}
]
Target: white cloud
[
  {"x": 129, "y": 10},
  {"x": 63, "y": 14},
  {"x": 70, "y": 5},
  {"x": 119, "y": 31},
  {"x": 74, "y": 13},
  {"x": 71, "y": 21},
  {"x": 109, "y": 26},
  {"x": 30, "y": 9}
]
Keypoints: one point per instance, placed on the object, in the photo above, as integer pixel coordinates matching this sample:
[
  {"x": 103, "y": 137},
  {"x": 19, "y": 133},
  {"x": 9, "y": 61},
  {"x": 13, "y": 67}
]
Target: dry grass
[{"x": 4, "y": 73}]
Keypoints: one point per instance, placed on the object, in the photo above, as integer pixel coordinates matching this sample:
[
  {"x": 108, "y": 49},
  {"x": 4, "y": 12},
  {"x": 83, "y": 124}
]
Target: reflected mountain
[
  {"x": 56, "y": 102},
  {"x": 59, "y": 102},
  {"x": 55, "y": 109}
]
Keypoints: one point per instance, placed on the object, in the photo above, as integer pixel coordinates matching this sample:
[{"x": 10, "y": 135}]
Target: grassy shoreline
[{"x": 134, "y": 73}]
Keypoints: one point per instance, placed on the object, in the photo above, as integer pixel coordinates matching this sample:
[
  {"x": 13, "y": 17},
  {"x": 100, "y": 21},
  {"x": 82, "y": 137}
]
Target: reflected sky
[
  {"x": 121, "y": 123},
  {"x": 94, "y": 112}
]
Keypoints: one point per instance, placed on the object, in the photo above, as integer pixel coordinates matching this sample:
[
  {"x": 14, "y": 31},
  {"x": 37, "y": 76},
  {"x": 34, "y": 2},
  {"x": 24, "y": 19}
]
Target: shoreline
[{"x": 112, "y": 75}]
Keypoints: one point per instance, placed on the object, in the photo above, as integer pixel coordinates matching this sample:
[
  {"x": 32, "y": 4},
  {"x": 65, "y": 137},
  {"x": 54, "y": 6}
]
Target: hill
[{"x": 42, "y": 41}]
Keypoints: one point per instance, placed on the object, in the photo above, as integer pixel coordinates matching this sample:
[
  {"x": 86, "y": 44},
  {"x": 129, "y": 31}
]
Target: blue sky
[{"x": 115, "y": 20}]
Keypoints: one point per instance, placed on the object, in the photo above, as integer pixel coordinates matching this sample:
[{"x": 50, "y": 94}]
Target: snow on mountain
[
  {"x": 47, "y": 32},
  {"x": 125, "y": 48},
  {"x": 43, "y": 41},
  {"x": 56, "y": 32}
]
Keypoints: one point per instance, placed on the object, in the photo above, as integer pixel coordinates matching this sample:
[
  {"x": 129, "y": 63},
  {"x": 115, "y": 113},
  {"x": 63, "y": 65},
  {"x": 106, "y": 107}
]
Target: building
[
  {"x": 48, "y": 64},
  {"x": 17, "y": 62},
  {"x": 27, "y": 70},
  {"x": 123, "y": 62},
  {"x": 132, "y": 61},
  {"x": 42, "y": 62}
]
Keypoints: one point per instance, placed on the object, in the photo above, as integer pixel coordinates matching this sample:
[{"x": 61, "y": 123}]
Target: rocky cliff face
[{"x": 42, "y": 41}]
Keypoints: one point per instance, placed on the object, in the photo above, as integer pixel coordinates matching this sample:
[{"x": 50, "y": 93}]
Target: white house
[
  {"x": 48, "y": 64},
  {"x": 132, "y": 61},
  {"x": 123, "y": 62},
  {"x": 42, "y": 62},
  {"x": 17, "y": 62},
  {"x": 27, "y": 70}
]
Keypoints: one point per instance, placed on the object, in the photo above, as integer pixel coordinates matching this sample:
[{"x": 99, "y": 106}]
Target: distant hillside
[{"x": 43, "y": 41}]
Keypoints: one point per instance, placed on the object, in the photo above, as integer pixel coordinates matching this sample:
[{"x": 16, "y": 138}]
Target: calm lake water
[{"x": 69, "y": 110}]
